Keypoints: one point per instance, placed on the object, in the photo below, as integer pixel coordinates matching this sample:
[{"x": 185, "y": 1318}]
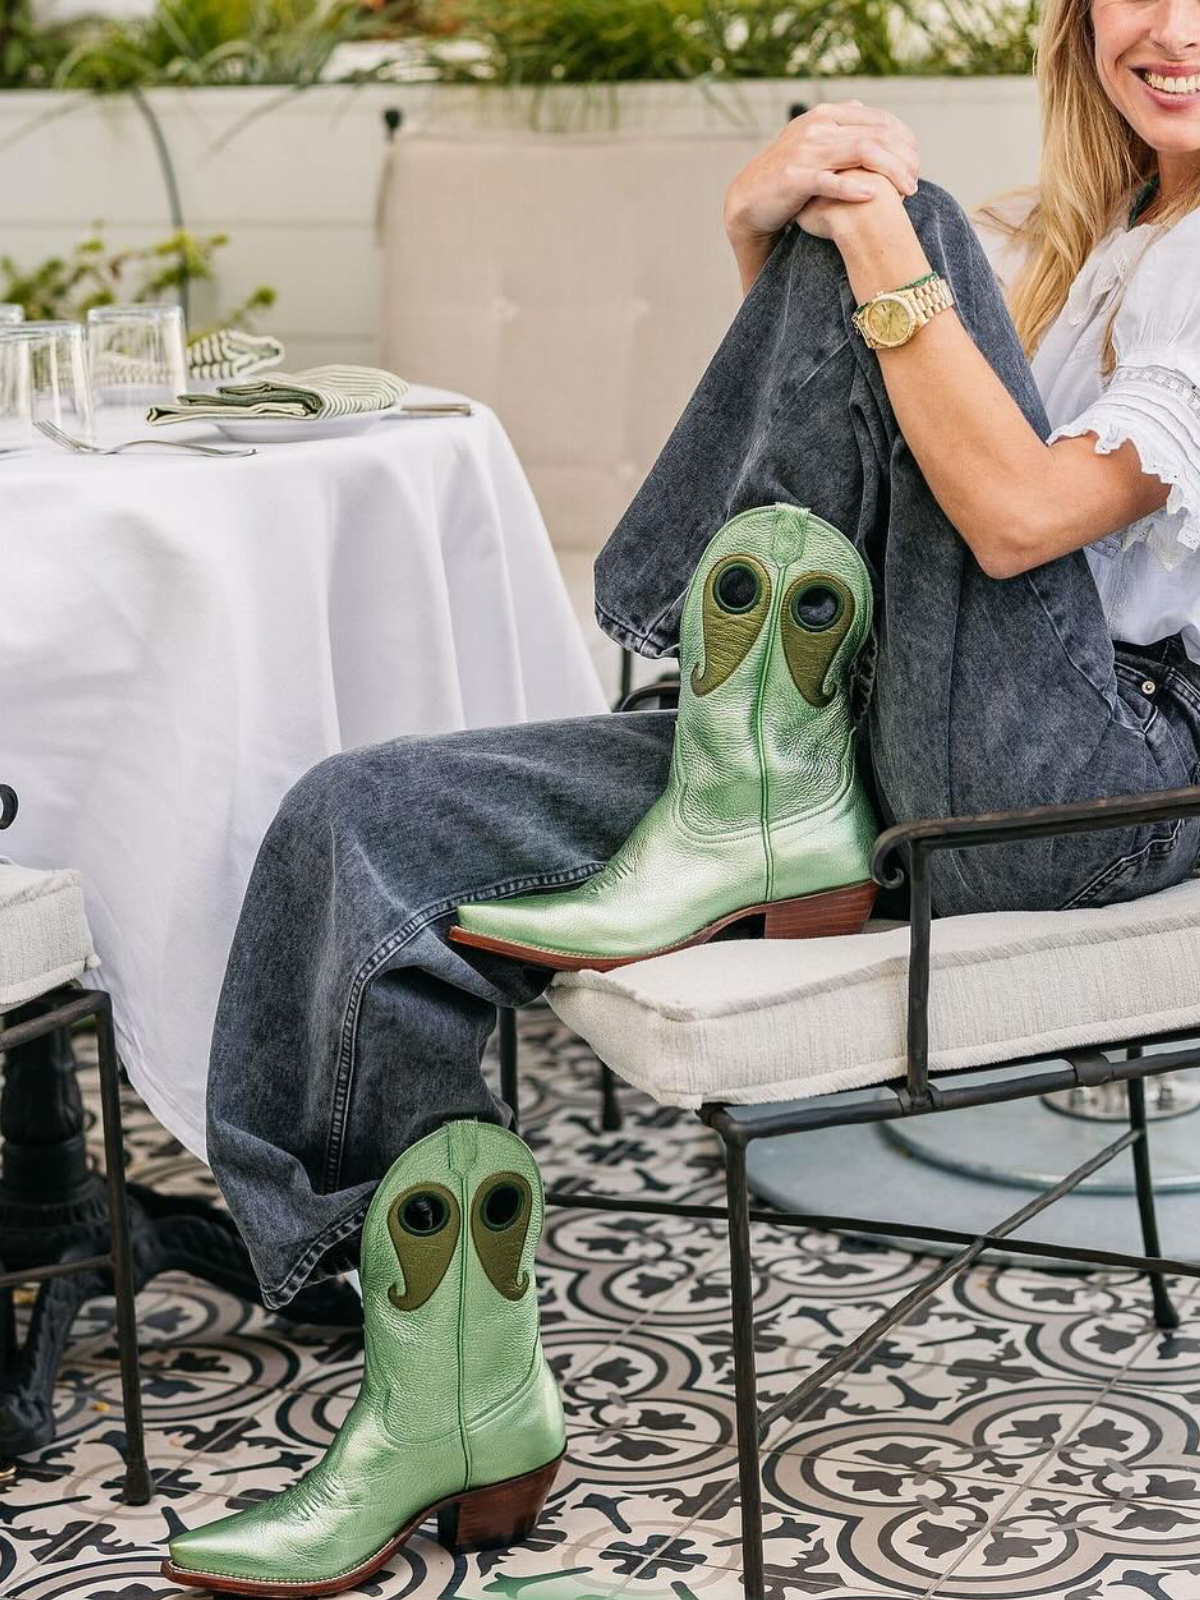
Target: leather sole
[
  {"x": 810, "y": 916},
  {"x": 491, "y": 1518}
]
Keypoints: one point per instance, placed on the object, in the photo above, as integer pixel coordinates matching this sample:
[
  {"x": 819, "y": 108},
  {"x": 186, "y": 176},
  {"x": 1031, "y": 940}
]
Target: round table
[{"x": 182, "y": 638}]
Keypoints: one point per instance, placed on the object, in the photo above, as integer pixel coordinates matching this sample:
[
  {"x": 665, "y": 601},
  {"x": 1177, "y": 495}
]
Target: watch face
[{"x": 890, "y": 320}]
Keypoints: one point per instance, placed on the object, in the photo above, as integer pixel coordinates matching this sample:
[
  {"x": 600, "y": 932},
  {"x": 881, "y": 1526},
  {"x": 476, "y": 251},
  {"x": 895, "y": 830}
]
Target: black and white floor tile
[{"x": 1024, "y": 1435}]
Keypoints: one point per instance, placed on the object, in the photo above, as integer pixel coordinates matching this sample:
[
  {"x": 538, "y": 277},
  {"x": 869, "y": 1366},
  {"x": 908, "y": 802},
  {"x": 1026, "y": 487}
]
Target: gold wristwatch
[{"x": 892, "y": 317}]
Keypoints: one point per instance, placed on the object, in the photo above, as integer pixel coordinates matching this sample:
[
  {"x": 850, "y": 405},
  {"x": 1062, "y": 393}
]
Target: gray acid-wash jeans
[{"x": 349, "y": 1026}]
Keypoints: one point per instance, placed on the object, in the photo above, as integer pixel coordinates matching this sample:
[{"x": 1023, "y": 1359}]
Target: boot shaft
[
  {"x": 449, "y": 1293},
  {"x": 779, "y": 608}
]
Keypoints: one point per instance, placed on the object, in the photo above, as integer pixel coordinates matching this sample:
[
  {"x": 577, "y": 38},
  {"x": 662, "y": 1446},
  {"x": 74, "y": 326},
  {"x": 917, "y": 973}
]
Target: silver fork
[{"x": 81, "y": 447}]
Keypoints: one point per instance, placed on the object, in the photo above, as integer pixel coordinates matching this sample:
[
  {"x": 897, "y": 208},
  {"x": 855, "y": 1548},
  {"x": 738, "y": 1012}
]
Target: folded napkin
[
  {"x": 232, "y": 353},
  {"x": 223, "y": 353},
  {"x": 333, "y": 391}
]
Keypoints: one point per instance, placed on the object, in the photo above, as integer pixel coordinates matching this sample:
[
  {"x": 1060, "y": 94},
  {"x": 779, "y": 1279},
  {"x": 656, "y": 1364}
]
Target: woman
[{"x": 1007, "y": 556}]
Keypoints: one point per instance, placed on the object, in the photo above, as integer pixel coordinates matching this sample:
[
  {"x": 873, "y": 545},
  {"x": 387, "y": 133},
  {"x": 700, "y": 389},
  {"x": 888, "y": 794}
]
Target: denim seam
[
  {"x": 955, "y": 856},
  {"x": 1133, "y": 675},
  {"x": 1053, "y": 621},
  {"x": 1151, "y": 851},
  {"x": 632, "y": 634},
  {"x": 280, "y": 1292},
  {"x": 1154, "y": 849},
  {"x": 1178, "y": 685},
  {"x": 417, "y": 923}
]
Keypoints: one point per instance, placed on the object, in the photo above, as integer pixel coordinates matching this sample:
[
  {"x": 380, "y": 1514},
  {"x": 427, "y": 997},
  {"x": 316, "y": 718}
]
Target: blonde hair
[{"x": 1092, "y": 164}]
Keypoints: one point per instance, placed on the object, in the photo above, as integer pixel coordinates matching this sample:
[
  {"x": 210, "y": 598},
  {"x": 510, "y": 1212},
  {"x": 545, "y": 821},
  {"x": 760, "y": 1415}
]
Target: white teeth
[{"x": 1172, "y": 85}]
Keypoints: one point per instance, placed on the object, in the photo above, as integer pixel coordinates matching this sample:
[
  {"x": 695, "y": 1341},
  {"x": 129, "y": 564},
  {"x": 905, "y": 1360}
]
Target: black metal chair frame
[
  {"x": 900, "y": 851},
  {"x": 63, "y": 1008}
]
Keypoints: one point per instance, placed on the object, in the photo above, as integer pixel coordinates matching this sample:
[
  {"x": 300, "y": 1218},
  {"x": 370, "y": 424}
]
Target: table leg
[{"x": 53, "y": 1205}]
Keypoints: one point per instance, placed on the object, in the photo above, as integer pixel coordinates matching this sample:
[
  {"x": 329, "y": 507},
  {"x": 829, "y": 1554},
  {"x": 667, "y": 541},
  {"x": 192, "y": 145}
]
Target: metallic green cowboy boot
[
  {"x": 458, "y": 1412},
  {"x": 764, "y": 811}
]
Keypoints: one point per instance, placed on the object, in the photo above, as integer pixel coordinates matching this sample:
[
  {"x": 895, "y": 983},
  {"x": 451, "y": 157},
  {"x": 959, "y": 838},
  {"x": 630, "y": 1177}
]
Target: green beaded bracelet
[{"x": 912, "y": 285}]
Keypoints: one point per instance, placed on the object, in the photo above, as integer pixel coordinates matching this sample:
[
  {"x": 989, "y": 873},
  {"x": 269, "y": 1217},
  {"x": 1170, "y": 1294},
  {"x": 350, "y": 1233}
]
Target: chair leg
[
  {"x": 137, "y": 1474},
  {"x": 611, "y": 1117},
  {"x": 626, "y": 681},
  {"x": 745, "y": 1378},
  {"x": 1165, "y": 1314},
  {"x": 8, "y": 1325},
  {"x": 509, "y": 1092}
]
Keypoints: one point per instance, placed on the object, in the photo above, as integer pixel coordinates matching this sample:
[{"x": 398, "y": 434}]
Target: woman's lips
[{"x": 1169, "y": 102}]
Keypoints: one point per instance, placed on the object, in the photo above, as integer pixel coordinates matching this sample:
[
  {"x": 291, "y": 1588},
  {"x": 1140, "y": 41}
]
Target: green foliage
[
  {"x": 29, "y": 55},
  {"x": 575, "y": 41},
  {"x": 544, "y": 42},
  {"x": 980, "y": 36},
  {"x": 221, "y": 42},
  {"x": 93, "y": 275},
  {"x": 533, "y": 43}
]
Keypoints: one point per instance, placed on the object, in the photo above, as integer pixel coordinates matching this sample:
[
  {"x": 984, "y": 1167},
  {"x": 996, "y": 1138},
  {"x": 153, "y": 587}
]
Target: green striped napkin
[
  {"x": 231, "y": 353},
  {"x": 332, "y": 391}
]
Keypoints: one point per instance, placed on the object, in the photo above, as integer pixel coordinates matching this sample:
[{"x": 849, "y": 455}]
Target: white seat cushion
[
  {"x": 753, "y": 1021},
  {"x": 44, "y": 936}
]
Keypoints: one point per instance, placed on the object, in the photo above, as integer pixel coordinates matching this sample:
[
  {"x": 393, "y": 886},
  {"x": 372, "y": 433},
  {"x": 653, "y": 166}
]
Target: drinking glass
[
  {"x": 136, "y": 354},
  {"x": 10, "y": 313},
  {"x": 43, "y": 378}
]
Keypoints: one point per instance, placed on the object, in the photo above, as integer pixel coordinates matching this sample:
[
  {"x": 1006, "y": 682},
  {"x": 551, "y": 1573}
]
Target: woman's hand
[
  {"x": 826, "y": 217},
  {"x": 810, "y": 158}
]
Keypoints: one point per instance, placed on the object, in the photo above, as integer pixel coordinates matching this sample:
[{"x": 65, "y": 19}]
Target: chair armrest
[
  {"x": 916, "y": 840},
  {"x": 8, "y": 805},
  {"x": 1038, "y": 822},
  {"x": 664, "y": 689}
]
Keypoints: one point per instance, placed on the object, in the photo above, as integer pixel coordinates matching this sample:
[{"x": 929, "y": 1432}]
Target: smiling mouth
[{"x": 1178, "y": 86}]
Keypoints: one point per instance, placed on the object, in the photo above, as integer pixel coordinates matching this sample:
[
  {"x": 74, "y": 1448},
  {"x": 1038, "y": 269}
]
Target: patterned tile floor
[{"x": 1024, "y": 1435}]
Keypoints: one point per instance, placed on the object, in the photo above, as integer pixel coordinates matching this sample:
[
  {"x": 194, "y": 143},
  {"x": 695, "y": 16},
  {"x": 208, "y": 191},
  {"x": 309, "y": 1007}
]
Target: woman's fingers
[
  {"x": 841, "y": 186},
  {"x": 884, "y": 159},
  {"x": 833, "y": 146},
  {"x": 886, "y": 123},
  {"x": 854, "y": 112},
  {"x": 900, "y": 171},
  {"x": 832, "y": 141},
  {"x": 857, "y": 135}
]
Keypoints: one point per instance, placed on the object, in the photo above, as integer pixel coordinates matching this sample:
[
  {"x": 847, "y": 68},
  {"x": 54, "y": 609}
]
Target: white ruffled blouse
[{"x": 1148, "y": 574}]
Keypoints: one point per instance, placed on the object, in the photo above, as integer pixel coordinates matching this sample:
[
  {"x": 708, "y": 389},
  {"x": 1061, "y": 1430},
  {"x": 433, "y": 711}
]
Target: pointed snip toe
[{"x": 494, "y": 1518}]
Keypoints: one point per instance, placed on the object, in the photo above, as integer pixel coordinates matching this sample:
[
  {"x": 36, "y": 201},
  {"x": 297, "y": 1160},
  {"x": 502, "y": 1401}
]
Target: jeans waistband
[{"x": 1169, "y": 652}]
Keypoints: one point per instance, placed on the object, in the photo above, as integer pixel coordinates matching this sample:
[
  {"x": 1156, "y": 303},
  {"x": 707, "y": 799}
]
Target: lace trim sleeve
[{"x": 1158, "y": 410}]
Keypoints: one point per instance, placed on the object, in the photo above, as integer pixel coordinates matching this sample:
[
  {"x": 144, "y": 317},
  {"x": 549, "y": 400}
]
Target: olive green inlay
[
  {"x": 499, "y": 1243},
  {"x": 729, "y": 635},
  {"x": 423, "y": 1257},
  {"x": 810, "y": 653}
]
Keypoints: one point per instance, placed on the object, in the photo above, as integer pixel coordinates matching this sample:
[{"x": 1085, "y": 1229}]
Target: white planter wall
[{"x": 296, "y": 189}]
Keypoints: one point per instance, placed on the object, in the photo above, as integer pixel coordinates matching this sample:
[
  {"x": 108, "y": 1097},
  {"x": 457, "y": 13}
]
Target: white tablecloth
[{"x": 180, "y": 639}]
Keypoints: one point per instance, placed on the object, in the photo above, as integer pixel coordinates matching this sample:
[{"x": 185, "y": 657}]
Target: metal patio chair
[
  {"x": 645, "y": 1022},
  {"x": 44, "y": 946}
]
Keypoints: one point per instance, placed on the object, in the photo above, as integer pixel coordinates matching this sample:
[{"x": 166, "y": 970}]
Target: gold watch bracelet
[{"x": 916, "y": 282}]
